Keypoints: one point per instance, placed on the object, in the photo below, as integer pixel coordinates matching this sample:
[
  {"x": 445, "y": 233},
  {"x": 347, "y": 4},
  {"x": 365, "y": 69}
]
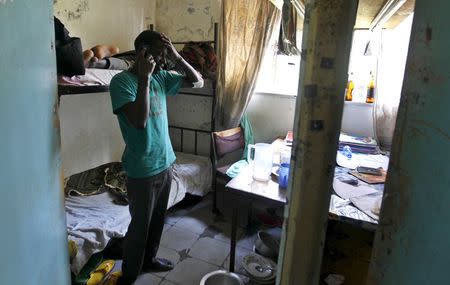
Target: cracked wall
[
  {"x": 106, "y": 21},
  {"x": 114, "y": 22},
  {"x": 186, "y": 20}
]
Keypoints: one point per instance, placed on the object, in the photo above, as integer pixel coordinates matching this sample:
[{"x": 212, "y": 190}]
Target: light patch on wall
[{"x": 5, "y": 1}]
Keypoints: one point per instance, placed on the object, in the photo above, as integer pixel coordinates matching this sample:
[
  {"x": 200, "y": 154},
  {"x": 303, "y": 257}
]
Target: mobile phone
[{"x": 369, "y": 170}]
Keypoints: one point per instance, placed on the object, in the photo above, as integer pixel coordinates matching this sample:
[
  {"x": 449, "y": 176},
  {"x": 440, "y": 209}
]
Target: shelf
[{"x": 359, "y": 103}]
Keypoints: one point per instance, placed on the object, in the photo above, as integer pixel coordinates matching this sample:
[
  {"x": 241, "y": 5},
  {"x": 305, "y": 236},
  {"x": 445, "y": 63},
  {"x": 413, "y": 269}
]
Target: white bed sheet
[
  {"x": 92, "y": 221},
  {"x": 92, "y": 77}
]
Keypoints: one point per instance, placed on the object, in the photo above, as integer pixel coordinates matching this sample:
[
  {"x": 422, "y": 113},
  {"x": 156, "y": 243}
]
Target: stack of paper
[{"x": 365, "y": 145}]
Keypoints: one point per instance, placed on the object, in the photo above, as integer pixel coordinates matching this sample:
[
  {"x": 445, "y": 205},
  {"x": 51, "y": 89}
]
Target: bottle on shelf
[
  {"x": 370, "y": 98},
  {"x": 349, "y": 89}
]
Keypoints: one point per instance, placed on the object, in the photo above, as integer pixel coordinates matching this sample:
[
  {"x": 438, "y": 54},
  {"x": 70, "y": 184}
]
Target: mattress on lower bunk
[{"x": 93, "y": 220}]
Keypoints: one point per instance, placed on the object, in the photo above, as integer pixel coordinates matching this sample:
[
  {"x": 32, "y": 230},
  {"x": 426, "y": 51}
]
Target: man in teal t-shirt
[{"x": 138, "y": 98}]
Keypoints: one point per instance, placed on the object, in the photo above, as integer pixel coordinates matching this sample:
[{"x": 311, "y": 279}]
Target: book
[
  {"x": 367, "y": 145},
  {"x": 355, "y": 140},
  {"x": 370, "y": 179},
  {"x": 289, "y": 138}
]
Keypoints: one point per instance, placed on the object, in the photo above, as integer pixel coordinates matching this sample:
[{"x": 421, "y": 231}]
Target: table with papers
[{"x": 356, "y": 205}]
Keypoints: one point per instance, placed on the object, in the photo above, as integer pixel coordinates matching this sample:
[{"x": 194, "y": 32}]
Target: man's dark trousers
[{"x": 148, "y": 199}]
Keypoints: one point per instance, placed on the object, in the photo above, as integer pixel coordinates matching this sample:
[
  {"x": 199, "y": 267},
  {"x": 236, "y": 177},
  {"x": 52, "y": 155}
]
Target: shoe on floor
[{"x": 158, "y": 264}]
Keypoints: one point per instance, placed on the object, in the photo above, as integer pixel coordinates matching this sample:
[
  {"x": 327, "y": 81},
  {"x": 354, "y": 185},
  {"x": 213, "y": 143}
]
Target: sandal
[
  {"x": 100, "y": 272},
  {"x": 112, "y": 279}
]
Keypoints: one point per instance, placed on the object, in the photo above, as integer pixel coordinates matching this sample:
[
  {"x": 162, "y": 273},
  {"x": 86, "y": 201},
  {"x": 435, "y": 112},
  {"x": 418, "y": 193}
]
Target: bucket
[{"x": 221, "y": 277}]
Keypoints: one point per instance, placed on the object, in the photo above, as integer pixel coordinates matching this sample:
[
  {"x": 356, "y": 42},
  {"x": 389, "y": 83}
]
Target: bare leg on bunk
[
  {"x": 96, "y": 56},
  {"x": 88, "y": 56},
  {"x": 102, "y": 51}
]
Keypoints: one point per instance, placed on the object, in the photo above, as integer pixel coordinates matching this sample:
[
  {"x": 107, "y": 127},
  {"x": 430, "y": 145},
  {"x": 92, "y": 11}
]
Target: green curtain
[{"x": 248, "y": 133}]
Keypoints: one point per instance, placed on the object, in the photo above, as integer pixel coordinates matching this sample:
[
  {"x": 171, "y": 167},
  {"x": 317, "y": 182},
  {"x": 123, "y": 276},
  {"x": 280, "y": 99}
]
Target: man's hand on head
[
  {"x": 145, "y": 64},
  {"x": 172, "y": 52},
  {"x": 193, "y": 78}
]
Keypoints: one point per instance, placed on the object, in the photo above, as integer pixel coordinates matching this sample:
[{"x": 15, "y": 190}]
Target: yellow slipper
[
  {"x": 73, "y": 249},
  {"x": 100, "y": 272},
  {"x": 113, "y": 277}
]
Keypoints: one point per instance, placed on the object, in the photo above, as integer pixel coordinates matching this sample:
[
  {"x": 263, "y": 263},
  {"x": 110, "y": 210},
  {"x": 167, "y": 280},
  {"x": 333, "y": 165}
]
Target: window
[{"x": 279, "y": 73}]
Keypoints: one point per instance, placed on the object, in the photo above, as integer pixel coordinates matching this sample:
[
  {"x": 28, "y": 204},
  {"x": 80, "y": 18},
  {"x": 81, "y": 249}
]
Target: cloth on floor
[{"x": 236, "y": 167}]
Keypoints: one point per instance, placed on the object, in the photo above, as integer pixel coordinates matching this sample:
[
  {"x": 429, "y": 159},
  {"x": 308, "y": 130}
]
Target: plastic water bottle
[
  {"x": 283, "y": 175},
  {"x": 347, "y": 151}
]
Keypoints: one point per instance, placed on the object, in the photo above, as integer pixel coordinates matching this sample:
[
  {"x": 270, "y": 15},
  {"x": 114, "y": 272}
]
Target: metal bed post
[
  {"x": 213, "y": 106},
  {"x": 215, "y": 210}
]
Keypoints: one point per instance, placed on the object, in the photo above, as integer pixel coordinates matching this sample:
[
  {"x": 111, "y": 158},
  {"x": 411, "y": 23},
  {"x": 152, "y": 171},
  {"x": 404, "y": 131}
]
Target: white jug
[{"x": 262, "y": 160}]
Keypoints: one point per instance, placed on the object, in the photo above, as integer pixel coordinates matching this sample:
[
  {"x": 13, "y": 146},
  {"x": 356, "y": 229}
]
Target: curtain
[
  {"x": 390, "y": 80},
  {"x": 248, "y": 134},
  {"x": 245, "y": 30},
  {"x": 287, "y": 41}
]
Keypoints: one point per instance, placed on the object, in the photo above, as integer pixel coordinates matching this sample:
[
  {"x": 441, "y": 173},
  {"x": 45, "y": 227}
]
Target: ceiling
[{"x": 368, "y": 10}]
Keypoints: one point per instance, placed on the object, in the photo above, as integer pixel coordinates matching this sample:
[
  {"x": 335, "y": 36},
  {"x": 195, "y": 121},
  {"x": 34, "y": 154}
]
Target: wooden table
[{"x": 243, "y": 187}]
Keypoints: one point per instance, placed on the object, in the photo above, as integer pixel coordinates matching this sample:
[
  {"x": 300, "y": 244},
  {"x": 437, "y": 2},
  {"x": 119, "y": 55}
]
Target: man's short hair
[{"x": 147, "y": 37}]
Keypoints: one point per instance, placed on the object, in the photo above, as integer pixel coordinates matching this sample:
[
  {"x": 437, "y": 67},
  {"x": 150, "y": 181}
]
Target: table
[{"x": 243, "y": 187}]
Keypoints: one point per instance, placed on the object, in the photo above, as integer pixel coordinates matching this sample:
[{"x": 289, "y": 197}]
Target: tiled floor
[{"x": 197, "y": 242}]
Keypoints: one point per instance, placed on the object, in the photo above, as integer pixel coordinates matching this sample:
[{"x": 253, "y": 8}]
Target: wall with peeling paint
[
  {"x": 412, "y": 241},
  {"x": 116, "y": 22},
  {"x": 106, "y": 21},
  {"x": 34, "y": 234},
  {"x": 186, "y": 20}
]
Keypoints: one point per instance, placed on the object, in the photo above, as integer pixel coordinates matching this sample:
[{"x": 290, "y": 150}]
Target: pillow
[{"x": 227, "y": 144}]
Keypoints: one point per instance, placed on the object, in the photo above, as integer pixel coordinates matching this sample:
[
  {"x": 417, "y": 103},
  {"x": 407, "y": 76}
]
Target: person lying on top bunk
[
  {"x": 138, "y": 97},
  {"x": 71, "y": 60},
  {"x": 107, "y": 57},
  {"x": 198, "y": 54}
]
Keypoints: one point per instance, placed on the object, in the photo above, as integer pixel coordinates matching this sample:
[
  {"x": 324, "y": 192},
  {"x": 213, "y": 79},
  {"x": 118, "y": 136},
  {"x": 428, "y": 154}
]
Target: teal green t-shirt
[{"x": 147, "y": 151}]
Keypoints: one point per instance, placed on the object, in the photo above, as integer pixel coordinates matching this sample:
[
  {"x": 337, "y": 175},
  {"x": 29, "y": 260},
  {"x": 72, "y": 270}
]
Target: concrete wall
[
  {"x": 390, "y": 78},
  {"x": 115, "y": 22},
  {"x": 90, "y": 139},
  {"x": 33, "y": 235},
  {"x": 271, "y": 115}
]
